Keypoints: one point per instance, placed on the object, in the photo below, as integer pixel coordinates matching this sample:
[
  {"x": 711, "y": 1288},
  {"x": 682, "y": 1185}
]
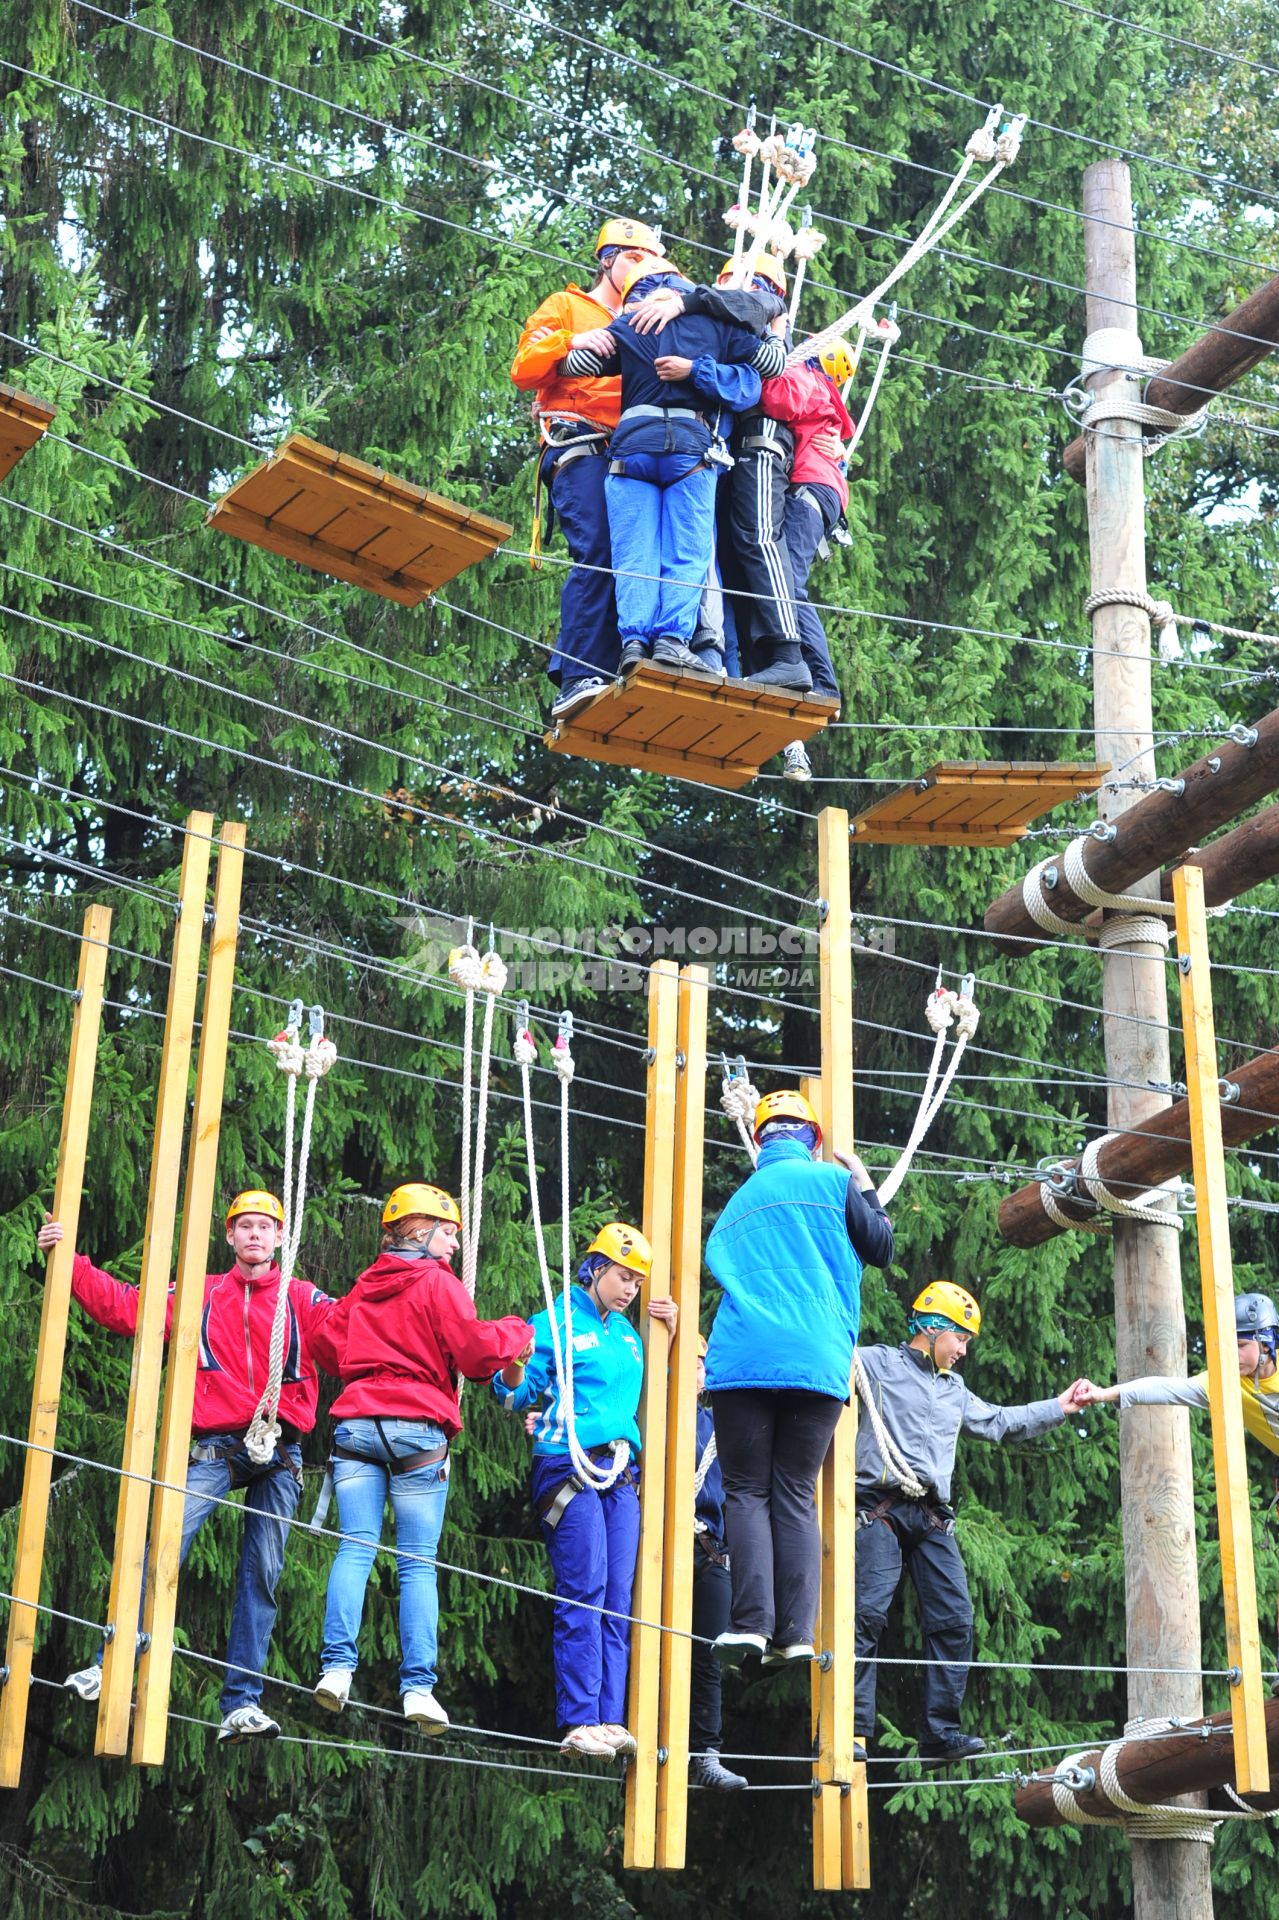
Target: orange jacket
[{"x": 544, "y": 343}]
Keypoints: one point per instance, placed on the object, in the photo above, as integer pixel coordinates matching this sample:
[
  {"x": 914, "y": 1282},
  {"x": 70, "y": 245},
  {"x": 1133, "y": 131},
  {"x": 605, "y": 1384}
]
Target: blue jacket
[
  {"x": 608, "y": 1371},
  {"x": 791, "y": 1278},
  {"x": 709, "y": 1505}
]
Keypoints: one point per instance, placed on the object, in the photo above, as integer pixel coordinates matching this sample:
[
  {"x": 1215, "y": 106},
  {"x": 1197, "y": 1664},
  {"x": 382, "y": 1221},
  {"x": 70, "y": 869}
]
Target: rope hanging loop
[
  {"x": 945, "y": 1007},
  {"x": 562, "y": 1050}
]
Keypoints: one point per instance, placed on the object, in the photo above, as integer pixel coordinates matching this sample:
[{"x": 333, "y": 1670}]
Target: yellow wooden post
[
  {"x": 1234, "y": 1512},
  {"x": 157, "y": 1257},
  {"x": 681, "y": 1422},
  {"x": 37, "y": 1471},
  {"x": 640, "y": 1841},
  {"x": 155, "y": 1668},
  {"x": 840, "y": 1820}
]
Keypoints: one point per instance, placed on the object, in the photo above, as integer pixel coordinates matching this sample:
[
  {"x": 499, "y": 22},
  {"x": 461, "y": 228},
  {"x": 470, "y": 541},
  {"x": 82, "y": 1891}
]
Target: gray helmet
[{"x": 1255, "y": 1313}]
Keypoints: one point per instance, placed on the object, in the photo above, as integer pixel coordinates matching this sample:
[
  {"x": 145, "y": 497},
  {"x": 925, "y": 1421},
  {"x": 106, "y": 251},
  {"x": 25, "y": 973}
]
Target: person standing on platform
[{"x": 712, "y": 1604}]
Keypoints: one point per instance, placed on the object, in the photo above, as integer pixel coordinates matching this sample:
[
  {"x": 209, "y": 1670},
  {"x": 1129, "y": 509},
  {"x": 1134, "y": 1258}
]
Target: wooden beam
[
  {"x": 1214, "y": 363},
  {"x": 42, "y": 1430},
  {"x": 1153, "y": 1770},
  {"x": 1234, "y": 1509},
  {"x": 1152, "y": 1151},
  {"x": 640, "y": 1831},
  {"x": 153, "y": 1292},
  {"x": 681, "y": 1422},
  {"x": 1231, "y": 864},
  {"x": 1157, "y": 829},
  {"x": 155, "y": 1668}
]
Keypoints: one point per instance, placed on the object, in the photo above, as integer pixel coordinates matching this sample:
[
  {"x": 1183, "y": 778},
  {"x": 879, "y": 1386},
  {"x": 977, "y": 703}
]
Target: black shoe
[
  {"x": 673, "y": 653},
  {"x": 953, "y": 1746},
  {"x": 708, "y": 1770},
  {"x": 573, "y": 692},
  {"x": 788, "y": 676},
  {"x": 859, "y": 1752}
]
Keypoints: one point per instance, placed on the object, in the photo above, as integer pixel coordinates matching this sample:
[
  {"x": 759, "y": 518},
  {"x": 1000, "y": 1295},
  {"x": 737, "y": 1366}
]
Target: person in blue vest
[
  {"x": 788, "y": 1251},
  {"x": 712, "y": 1603},
  {"x": 591, "y": 1534}
]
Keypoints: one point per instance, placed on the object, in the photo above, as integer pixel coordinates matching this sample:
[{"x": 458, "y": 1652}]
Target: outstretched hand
[{"x": 1078, "y": 1395}]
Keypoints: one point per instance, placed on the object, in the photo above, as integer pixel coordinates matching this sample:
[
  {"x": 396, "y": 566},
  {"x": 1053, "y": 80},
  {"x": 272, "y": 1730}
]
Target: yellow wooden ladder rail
[
  {"x": 37, "y": 1472},
  {"x": 1212, "y": 1221}
]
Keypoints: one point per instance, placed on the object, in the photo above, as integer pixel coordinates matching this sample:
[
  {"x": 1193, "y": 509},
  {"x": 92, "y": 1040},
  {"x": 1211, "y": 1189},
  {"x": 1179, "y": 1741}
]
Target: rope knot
[
  {"x": 562, "y": 1061},
  {"x": 288, "y": 1051},
  {"x": 466, "y": 968},
  {"x": 747, "y": 142},
  {"x": 939, "y": 1009},
  {"x": 980, "y": 146},
  {"x": 737, "y": 219},
  {"x": 525, "y": 1048},
  {"x": 493, "y": 973},
  {"x": 318, "y": 1058}
]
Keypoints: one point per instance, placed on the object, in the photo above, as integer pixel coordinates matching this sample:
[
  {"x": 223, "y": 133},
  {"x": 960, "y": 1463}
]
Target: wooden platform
[
  {"x": 662, "y": 720},
  {"x": 976, "y": 803},
  {"x": 341, "y": 516},
  {"x": 23, "y": 419}
]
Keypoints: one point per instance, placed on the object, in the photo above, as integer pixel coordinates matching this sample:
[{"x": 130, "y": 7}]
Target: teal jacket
[{"x": 608, "y": 1371}]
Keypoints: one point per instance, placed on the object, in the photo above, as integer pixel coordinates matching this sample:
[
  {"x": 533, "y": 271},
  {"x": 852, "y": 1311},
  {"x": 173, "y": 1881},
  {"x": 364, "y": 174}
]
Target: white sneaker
[
  {"x": 782, "y": 1656},
  {"x": 247, "y": 1723},
  {"x": 591, "y": 1741},
  {"x": 87, "y": 1683},
  {"x": 334, "y": 1689},
  {"x": 623, "y": 1742},
  {"x": 796, "y": 764},
  {"x": 424, "y": 1710},
  {"x": 732, "y": 1648}
]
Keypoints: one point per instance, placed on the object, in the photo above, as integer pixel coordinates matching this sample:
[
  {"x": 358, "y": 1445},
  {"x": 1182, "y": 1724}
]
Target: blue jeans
[
  {"x": 592, "y": 1550},
  {"x": 661, "y": 515},
  {"x": 812, "y": 514},
  {"x": 588, "y": 642},
  {"x": 270, "y": 1501},
  {"x": 417, "y": 1499}
]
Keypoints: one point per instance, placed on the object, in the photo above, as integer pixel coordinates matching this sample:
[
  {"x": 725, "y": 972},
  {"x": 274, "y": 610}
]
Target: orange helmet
[
  {"x": 628, "y": 234},
  {"x": 786, "y": 1105},
  {"x": 255, "y": 1200},
  {"x": 417, "y": 1197}
]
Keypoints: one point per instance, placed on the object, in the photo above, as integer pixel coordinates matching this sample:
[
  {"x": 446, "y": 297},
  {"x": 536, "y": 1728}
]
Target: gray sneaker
[
  {"x": 796, "y": 764},
  {"x": 708, "y": 1770},
  {"x": 87, "y": 1683},
  {"x": 673, "y": 653},
  {"x": 247, "y": 1723}
]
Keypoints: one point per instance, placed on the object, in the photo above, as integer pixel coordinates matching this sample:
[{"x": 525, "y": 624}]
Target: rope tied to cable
[
  {"x": 296, "y": 1062},
  {"x": 1119, "y": 350},
  {"x": 1146, "y": 1206},
  {"x": 1139, "y": 1820},
  {"x": 474, "y": 973},
  {"x": 945, "y": 1008},
  {"x": 1144, "y": 919},
  {"x": 739, "y": 1100}
]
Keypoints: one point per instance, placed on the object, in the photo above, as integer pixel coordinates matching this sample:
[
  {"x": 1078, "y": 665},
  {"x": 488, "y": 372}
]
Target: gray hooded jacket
[{"x": 925, "y": 1412}]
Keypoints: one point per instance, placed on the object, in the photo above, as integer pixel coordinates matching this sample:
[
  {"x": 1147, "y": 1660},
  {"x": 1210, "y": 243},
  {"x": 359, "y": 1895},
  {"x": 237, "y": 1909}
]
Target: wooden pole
[
  {"x": 46, "y": 1390},
  {"x": 1234, "y": 1510},
  {"x": 681, "y": 1422},
  {"x": 153, "y": 1292},
  {"x": 1213, "y": 363},
  {"x": 1154, "y": 1770},
  {"x": 1161, "y": 1575},
  {"x": 1153, "y": 1151},
  {"x": 840, "y": 1819},
  {"x": 1158, "y": 827},
  {"x": 640, "y": 1832},
  {"x": 155, "y": 1667}
]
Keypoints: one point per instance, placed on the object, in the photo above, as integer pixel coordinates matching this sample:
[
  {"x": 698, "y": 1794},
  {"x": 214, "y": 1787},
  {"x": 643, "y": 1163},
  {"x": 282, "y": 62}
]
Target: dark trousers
[
  {"x": 588, "y": 642},
  {"x": 771, "y": 1447},
  {"x": 592, "y": 1549},
  {"x": 761, "y": 559},
  {"x": 712, "y": 1606},
  {"x": 919, "y": 1536},
  {"x": 812, "y": 514}
]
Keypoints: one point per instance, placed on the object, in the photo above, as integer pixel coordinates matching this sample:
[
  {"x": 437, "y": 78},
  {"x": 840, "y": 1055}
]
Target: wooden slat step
[
  {"x": 23, "y": 420},
  {"x": 976, "y": 803}
]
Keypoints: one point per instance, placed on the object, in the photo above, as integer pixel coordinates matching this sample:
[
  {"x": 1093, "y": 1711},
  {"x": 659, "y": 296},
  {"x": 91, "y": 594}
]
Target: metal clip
[
  {"x": 1243, "y": 736},
  {"x": 565, "y": 1032},
  {"x": 294, "y": 1021},
  {"x": 967, "y": 986},
  {"x": 316, "y": 1019},
  {"x": 521, "y": 1016}
]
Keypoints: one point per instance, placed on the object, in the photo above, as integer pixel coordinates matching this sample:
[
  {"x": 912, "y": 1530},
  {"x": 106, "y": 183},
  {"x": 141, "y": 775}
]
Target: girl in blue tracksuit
[
  {"x": 592, "y": 1537},
  {"x": 788, "y": 1250}
]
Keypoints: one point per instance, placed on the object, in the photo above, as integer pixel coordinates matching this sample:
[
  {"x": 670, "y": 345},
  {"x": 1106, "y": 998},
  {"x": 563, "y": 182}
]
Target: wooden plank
[
  {"x": 227, "y": 518},
  {"x": 42, "y": 1429},
  {"x": 828, "y": 1867},
  {"x": 405, "y": 495},
  {"x": 151, "y": 1721},
  {"x": 157, "y": 1255},
  {"x": 23, "y": 421},
  {"x": 855, "y": 1833},
  {"x": 1212, "y": 1222},
  {"x": 640, "y": 1832},
  {"x": 681, "y": 1445},
  {"x": 957, "y": 801}
]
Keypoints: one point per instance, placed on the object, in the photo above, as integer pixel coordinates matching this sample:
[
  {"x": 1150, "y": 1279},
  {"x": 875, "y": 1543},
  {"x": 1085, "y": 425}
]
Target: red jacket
[
  {"x": 235, "y": 1341},
  {"x": 807, "y": 401},
  {"x": 401, "y": 1337}
]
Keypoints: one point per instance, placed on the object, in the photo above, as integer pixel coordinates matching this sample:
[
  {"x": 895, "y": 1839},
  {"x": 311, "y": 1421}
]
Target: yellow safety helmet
[
  {"x": 952, "y": 1302},
  {"x": 640, "y": 270},
  {"x": 624, "y": 1246},
  {"x": 702, "y": 1345},
  {"x": 838, "y": 362},
  {"x": 767, "y": 265},
  {"x": 417, "y": 1197},
  {"x": 255, "y": 1200},
  {"x": 627, "y": 234},
  {"x": 786, "y": 1105}
]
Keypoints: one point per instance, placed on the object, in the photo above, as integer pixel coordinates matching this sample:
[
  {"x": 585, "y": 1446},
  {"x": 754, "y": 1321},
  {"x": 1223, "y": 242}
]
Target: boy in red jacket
[
  {"x": 399, "y": 1342},
  {"x": 235, "y": 1338}
]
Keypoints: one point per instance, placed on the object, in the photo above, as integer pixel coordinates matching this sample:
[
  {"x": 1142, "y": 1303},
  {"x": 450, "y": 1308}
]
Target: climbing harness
[
  {"x": 945, "y": 1008},
  {"x": 311, "y": 1062},
  {"x": 573, "y": 437},
  {"x": 589, "y": 1472},
  {"x": 474, "y": 973}
]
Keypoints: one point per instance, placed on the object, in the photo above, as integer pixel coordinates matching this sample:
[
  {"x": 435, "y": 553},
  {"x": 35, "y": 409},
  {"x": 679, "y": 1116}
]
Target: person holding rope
[
  {"x": 582, "y": 1386},
  {"x": 788, "y": 1250},
  {"x": 712, "y": 1603},
  {"x": 399, "y": 1341},
  {"x": 914, "y": 1408},
  {"x": 233, "y": 1360}
]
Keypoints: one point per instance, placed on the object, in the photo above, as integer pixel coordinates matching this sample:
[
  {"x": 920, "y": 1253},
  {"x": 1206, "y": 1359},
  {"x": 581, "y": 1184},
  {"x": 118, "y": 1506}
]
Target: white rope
[
  {"x": 465, "y": 967},
  {"x": 739, "y": 1100},
  {"x": 897, "y": 1467},
  {"x": 943, "y": 1009},
  {"x": 710, "y": 1454},
  {"x": 312, "y": 1064},
  {"x": 1145, "y": 1207},
  {"x": 584, "y": 1467},
  {"x": 890, "y": 333},
  {"x": 1037, "y": 907},
  {"x": 1093, "y": 1223},
  {"x": 1087, "y": 890},
  {"x": 1119, "y": 350},
  {"x": 475, "y": 972},
  {"x": 1133, "y": 929},
  {"x": 1140, "y": 1821}
]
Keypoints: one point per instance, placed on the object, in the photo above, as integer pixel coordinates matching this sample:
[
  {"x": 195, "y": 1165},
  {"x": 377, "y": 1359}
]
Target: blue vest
[{"x": 791, "y": 1280}]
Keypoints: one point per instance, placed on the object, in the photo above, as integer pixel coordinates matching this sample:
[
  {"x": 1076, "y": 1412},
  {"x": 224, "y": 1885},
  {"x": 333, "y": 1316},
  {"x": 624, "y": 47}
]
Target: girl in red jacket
[{"x": 398, "y": 1342}]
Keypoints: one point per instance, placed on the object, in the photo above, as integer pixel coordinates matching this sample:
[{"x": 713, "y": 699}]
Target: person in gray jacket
[{"x": 915, "y": 1406}]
